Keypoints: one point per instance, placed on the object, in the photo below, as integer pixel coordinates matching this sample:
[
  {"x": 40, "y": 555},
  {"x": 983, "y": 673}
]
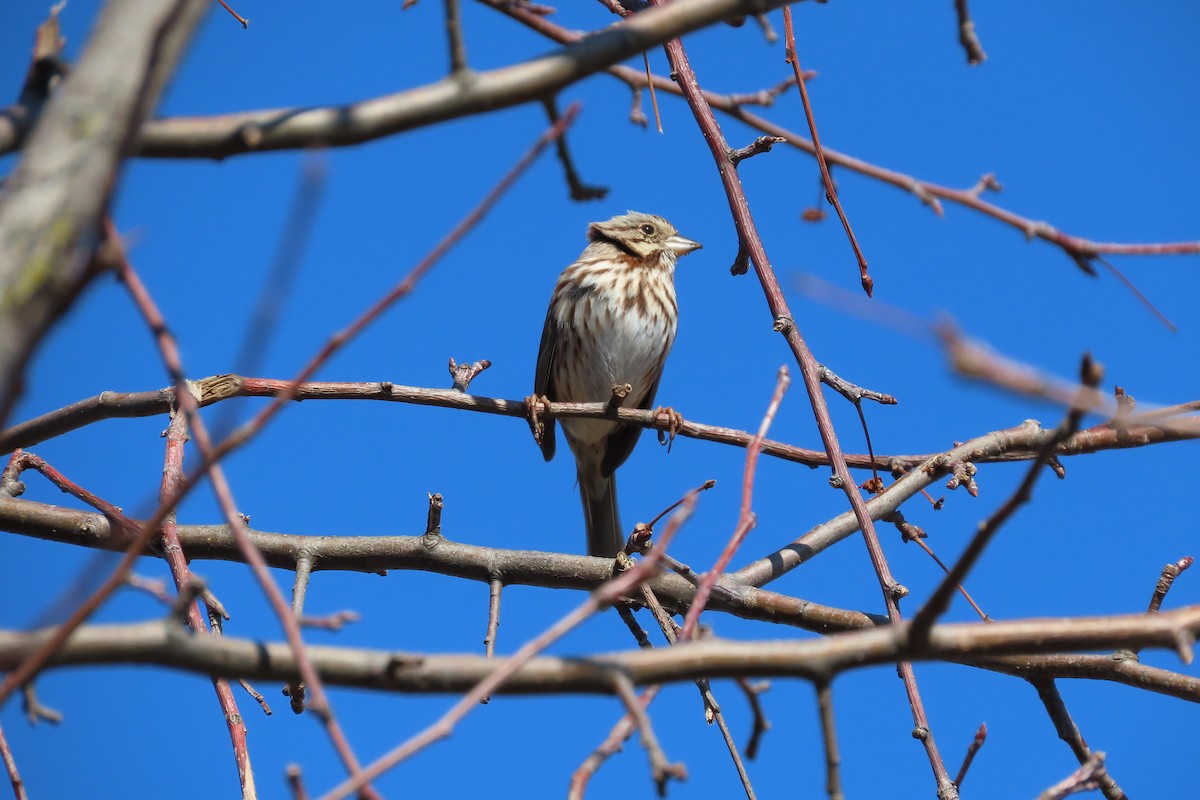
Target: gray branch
[
  {"x": 167, "y": 644},
  {"x": 54, "y": 203},
  {"x": 450, "y": 98}
]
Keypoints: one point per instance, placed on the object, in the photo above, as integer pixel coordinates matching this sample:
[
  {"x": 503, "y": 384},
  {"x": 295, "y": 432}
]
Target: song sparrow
[{"x": 611, "y": 322}]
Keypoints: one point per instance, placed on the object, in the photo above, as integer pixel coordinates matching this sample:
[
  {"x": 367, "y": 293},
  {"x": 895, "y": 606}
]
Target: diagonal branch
[{"x": 55, "y": 200}]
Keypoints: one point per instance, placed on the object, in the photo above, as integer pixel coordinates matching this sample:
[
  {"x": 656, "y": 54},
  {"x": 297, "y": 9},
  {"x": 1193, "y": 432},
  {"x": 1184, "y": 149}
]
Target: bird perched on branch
[{"x": 610, "y": 326}]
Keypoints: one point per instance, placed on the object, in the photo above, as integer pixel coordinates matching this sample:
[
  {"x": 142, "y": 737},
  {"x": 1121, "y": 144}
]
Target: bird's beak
[{"x": 681, "y": 246}]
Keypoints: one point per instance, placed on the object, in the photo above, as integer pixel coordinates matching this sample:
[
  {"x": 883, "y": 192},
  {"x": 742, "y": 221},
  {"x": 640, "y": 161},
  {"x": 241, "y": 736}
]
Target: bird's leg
[
  {"x": 532, "y": 403},
  {"x": 673, "y": 422}
]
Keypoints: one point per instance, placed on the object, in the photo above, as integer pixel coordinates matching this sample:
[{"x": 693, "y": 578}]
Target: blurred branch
[
  {"x": 966, "y": 34},
  {"x": 54, "y": 201}
]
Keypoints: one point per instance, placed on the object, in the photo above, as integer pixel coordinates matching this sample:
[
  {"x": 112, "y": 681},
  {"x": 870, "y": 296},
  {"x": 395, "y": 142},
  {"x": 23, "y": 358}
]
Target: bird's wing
[{"x": 541, "y": 379}]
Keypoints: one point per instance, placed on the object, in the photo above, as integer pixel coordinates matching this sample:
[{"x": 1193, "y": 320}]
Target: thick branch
[
  {"x": 55, "y": 199},
  {"x": 165, "y": 644}
]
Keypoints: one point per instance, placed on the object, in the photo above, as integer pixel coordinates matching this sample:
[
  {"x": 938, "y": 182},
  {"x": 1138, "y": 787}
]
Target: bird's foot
[
  {"x": 672, "y": 423},
  {"x": 535, "y": 405}
]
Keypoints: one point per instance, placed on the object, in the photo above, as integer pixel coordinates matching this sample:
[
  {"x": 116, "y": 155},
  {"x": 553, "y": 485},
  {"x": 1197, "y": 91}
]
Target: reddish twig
[
  {"x": 746, "y": 519},
  {"x": 789, "y": 39},
  {"x": 972, "y": 750},
  {"x": 176, "y": 436},
  {"x": 913, "y": 533},
  {"x": 175, "y": 487},
  {"x": 751, "y": 249},
  {"x": 10, "y": 766},
  {"x": 246, "y": 432},
  {"x": 621, "y": 731},
  {"x": 928, "y": 192},
  {"x": 137, "y": 541},
  {"x": 245, "y": 22},
  {"x": 1145, "y": 428}
]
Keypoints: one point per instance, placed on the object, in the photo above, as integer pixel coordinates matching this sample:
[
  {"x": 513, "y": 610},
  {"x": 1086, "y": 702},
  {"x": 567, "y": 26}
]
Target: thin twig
[
  {"x": 10, "y": 766},
  {"x": 304, "y": 564},
  {"x": 833, "y": 757},
  {"x": 928, "y": 192},
  {"x": 458, "y": 50},
  {"x": 295, "y": 781},
  {"x": 1069, "y": 732},
  {"x": 966, "y": 34},
  {"x": 789, "y": 39},
  {"x": 601, "y": 598},
  {"x": 621, "y": 731},
  {"x": 1148, "y": 427},
  {"x": 972, "y": 751},
  {"x": 746, "y": 518},
  {"x": 495, "y": 587},
  {"x": 245, "y": 22},
  {"x": 1084, "y": 779},
  {"x": 661, "y": 769},
  {"x": 939, "y": 601},
  {"x": 1169, "y": 573},
  {"x": 171, "y": 495},
  {"x": 289, "y": 254},
  {"x": 753, "y": 692},
  {"x": 176, "y": 438},
  {"x": 580, "y": 191},
  {"x": 712, "y": 708}
]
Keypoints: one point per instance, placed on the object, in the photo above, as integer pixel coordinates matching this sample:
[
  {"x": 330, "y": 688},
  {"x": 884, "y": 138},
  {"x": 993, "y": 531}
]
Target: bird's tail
[{"x": 604, "y": 533}]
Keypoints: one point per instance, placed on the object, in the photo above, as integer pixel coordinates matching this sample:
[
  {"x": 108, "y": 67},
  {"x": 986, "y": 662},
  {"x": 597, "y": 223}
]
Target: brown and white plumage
[{"x": 612, "y": 320}]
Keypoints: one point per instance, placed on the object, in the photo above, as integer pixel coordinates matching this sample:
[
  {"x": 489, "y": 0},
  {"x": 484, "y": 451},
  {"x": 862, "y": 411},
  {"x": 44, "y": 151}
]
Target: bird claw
[
  {"x": 532, "y": 411},
  {"x": 673, "y": 422}
]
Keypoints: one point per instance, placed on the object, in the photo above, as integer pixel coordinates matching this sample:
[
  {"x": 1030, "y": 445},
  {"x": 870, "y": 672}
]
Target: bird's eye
[{"x": 647, "y": 229}]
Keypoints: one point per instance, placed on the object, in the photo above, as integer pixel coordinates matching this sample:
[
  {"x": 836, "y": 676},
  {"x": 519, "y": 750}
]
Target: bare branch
[
  {"x": 166, "y": 645},
  {"x": 966, "y": 34},
  {"x": 54, "y": 202},
  {"x": 338, "y": 126}
]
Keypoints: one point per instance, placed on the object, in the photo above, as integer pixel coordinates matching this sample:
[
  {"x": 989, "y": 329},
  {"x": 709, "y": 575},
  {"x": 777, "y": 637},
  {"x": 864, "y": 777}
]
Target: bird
[{"x": 611, "y": 323}]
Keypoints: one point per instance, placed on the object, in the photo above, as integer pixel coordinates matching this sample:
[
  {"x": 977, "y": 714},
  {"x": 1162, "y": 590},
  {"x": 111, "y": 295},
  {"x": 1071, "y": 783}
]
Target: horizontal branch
[
  {"x": 165, "y": 643},
  {"x": 459, "y": 95},
  {"x": 428, "y": 553},
  {"x": 548, "y": 570},
  {"x": 1140, "y": 431}
]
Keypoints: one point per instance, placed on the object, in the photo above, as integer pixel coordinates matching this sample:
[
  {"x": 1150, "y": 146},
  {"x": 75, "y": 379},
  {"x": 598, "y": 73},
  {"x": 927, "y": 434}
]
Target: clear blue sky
[{"x": 1085, "y": 111}]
